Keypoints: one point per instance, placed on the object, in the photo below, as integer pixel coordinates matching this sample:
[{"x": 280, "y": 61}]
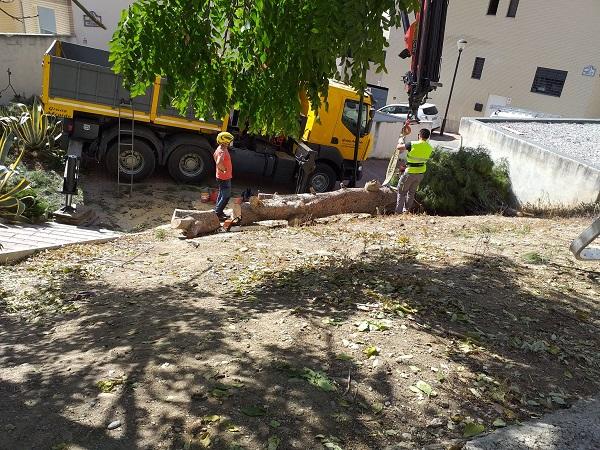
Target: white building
[
  {"x": 109, "y": 13},
  {"x": 523, "y": 54}
]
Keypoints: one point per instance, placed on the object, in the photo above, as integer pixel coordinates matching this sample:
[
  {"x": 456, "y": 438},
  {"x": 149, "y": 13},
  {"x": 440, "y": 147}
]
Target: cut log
[
  {"x": 302, "y": 208},
  {"x": 182, "y": 224},
  {"x": 194, "y": 223}
]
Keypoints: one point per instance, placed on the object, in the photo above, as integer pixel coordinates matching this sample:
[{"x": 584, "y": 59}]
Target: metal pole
[{"x": 450, "y": 96}]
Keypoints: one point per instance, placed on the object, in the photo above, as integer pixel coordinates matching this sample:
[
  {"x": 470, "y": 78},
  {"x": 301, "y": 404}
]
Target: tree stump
[{"x": 195, "y": 223}]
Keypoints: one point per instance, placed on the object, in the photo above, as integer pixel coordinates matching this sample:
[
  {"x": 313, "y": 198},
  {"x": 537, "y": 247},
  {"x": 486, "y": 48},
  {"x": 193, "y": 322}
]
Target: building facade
[
  {"x": 37, "y": 17},
  {"x": 109, "y": 13},
  {"x": 537, "y": 55}
]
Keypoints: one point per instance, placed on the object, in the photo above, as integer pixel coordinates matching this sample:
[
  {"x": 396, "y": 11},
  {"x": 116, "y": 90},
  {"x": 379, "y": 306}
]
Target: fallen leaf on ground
[
  {"x": 344, "y": 357},
  {"x": 211, "y": 419},
  {"x": 499, "y": 423},
  {"x": 371, "y": 351},
  {"x": 253, "y": 411},
  {"x": 318, "y": 379},
  {"x": 274, "y": 442},
  {"x": 423, "y": 387},
  {"x": 473, "y": 429}
]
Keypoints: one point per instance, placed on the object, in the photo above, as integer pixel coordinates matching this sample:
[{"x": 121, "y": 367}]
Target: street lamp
[{"x": 461, "y": 44}]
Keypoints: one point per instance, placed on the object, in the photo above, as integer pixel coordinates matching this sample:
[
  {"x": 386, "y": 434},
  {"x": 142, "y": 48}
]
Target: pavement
[
  {"x": 21, "y": 240},
  {"x": 577, "y": 428}
]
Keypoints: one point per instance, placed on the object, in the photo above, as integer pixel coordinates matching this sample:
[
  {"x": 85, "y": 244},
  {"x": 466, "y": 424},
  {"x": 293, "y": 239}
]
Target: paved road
[{"x": 575, "y": 428}]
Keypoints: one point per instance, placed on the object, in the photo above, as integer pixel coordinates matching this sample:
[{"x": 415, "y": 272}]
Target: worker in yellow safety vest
[{"x": 418, "y": 154}]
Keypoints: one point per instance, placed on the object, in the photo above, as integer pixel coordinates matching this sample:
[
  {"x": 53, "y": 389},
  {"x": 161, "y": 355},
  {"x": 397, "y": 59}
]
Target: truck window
[{"x": 350, "y": 116}]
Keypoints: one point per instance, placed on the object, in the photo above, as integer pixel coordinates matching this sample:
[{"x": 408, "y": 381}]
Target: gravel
[
  {"x": 575, "y": 428},
  {"x": 579, "y": 141}
]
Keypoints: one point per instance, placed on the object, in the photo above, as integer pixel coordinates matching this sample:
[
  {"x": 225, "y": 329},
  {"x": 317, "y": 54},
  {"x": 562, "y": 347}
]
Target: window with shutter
[
  {"x": 478, "y": 68},
  {"x": 549, "y": 81}
]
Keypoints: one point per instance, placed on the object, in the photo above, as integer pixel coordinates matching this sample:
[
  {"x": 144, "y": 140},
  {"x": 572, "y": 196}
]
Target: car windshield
[{"x": 430, "y": 110}]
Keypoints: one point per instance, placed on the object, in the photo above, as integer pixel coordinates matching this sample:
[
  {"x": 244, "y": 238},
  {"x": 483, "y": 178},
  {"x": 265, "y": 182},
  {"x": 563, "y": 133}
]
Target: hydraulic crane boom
[{"x": 425, "y": 42}]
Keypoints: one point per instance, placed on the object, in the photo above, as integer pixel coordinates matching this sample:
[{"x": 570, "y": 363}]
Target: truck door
[
  {"x": 345, "y": 129},
  {"x": 250, "y": 162}
]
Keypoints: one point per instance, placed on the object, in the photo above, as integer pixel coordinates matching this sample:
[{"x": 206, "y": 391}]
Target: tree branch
[{"x": 90, "y": 15}]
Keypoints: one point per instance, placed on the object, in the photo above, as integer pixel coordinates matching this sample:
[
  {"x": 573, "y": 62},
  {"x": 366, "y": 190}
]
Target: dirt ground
[
  {"x": 357, "y": 333},
  {"x": 149, "y": 203}
]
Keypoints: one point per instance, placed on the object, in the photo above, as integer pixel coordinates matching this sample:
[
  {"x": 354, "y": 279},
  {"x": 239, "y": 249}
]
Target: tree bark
[
  {"x": 194, "y": 223},
  {"x": 301, "y": 208}
]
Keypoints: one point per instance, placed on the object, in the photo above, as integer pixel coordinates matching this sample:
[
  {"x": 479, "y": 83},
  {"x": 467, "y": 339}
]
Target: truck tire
[
  {"x": 190, "y": 164},
  {"x": 323, "y": 178},
  {"x": 138, "y": 161}
]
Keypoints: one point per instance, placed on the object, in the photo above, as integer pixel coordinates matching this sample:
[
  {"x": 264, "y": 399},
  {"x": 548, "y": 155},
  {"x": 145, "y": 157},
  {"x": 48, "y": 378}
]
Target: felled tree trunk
[
  {"x": 301, "y": 208},
  {"x": 194, "y": 223}
]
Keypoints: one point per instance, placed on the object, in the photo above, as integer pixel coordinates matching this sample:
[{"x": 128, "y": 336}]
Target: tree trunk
[
  {"x": 302, "y": 208},
  {"x": 194, "y": 223}
]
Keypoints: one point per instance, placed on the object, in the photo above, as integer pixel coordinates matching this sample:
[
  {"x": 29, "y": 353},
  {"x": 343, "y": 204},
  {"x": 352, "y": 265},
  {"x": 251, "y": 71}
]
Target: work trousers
[
  {"x": 224, "y": 195},
  {"x": 407, "y": 187}
]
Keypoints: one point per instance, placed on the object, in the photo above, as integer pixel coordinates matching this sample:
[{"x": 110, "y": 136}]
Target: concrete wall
[
  {"x": 386, "y": 135},
  {"x": 109, "y": 11},
  {"x": 385, "y": 139},
  {"x": 538, "y": 176},
  {"x": 22, "y": 54}
]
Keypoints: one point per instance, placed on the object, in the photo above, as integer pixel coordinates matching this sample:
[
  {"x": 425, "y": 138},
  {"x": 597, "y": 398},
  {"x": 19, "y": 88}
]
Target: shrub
[
  {"x": 464, "y": 182},
  {"x": 34, "y": 129},
  {"x": 13, "y": 186}
]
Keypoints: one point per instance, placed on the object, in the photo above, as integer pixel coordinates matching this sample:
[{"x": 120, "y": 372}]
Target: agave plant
[
  {"x": 34, "y": 129},
  {"x": 12, "y": 183}
]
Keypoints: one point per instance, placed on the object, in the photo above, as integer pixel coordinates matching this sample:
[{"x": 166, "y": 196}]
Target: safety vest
[{"x": 418, "y": 155}]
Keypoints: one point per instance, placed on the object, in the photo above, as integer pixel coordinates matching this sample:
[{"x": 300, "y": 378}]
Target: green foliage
[
  {"x": 13, "y": 186},
  {"x": 34, "y": 129},
  {"x": 464, "y": 182},
  {"x": 256, "y": 56},
  {"x": 535, "y": 258},
  {"x": 25, "y": 195}
]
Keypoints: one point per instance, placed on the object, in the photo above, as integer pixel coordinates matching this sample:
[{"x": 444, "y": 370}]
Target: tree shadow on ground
[
  {"x": 531, "y": 351},
  {"x": 183, "y": 354},
  {"x": 175, "y": 362}
]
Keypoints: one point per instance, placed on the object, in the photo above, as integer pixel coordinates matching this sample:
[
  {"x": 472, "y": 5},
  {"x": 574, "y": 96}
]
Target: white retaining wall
[{"x": 538, "y": 175}]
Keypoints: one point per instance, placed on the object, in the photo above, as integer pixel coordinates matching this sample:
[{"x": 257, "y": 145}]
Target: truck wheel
[
  {"x": 323, "y": 178},
  {"x": 190, "y": 164},
  {"x": 138, "y": 161}
]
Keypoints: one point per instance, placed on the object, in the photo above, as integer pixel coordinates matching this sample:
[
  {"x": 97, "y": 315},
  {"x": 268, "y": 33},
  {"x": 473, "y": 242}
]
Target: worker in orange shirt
[{"x": 224, "y": 172}]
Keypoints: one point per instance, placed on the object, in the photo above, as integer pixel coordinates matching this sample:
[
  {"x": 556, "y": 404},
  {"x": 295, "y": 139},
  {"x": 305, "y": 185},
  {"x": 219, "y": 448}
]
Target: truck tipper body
[{"x": 80, "y": 86}]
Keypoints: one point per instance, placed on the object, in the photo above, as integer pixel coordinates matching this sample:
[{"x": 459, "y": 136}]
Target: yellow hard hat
[{"x": 224, "y": 138}]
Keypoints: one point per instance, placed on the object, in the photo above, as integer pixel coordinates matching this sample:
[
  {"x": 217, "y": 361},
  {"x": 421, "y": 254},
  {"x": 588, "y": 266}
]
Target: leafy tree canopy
[{"x": 254, "y": 55}]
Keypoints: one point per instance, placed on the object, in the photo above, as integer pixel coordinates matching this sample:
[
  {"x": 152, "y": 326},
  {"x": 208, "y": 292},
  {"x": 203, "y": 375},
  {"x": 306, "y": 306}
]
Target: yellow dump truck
[{"x": 102, "y": 120}]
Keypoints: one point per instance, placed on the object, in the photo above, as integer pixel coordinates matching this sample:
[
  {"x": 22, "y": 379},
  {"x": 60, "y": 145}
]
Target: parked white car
[{"x": 427, "y": 112}]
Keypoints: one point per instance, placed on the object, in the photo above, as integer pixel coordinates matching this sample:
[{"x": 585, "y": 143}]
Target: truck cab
[{"x": 134, "y": 136}]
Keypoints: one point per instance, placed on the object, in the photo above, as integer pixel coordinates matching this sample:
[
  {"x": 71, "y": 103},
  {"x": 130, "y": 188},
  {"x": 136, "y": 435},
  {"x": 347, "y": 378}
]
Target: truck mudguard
[
  {"x": 331, "y": 155},
  {"x": 175, "y": 140},
  {"x": 140, "y": 131}
]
